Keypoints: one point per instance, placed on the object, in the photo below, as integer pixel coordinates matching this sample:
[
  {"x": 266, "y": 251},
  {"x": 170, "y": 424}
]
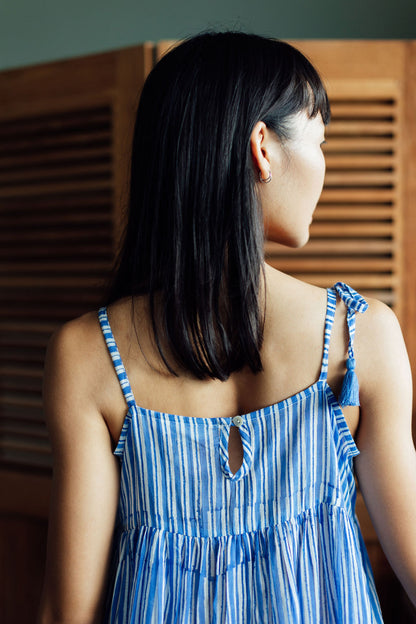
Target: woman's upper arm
[
  {"x": 386, "y": 466},
  {"x": 85, "y": 484}
]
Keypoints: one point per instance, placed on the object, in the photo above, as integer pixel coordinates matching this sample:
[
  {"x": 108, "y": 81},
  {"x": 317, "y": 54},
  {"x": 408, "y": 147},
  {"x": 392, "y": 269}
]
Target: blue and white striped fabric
[{"x": 277, "y": 542}]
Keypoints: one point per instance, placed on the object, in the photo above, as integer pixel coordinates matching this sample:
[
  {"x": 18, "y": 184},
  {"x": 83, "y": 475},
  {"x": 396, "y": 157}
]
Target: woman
[{"x": 228, "y": 495}]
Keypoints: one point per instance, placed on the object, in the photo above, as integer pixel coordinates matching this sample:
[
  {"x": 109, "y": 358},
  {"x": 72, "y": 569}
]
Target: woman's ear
[{"x": 259, "y": 151}]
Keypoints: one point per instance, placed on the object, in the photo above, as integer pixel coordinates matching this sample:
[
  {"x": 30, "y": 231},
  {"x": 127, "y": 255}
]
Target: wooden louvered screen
[
  {"x": 65, "y": 130},
  {"x": 356, "y": 231},
  {"x": 56, "y": 244}
]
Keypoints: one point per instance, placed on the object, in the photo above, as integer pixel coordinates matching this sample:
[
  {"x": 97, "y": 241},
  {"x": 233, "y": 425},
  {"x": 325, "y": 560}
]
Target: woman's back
[
  {"x": 275, "y": 525},
  {"x": 291, "y": 356}
]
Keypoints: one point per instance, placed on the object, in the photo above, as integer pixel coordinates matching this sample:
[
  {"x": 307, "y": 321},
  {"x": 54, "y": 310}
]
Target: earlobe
[{"x": 265, "y": 180}]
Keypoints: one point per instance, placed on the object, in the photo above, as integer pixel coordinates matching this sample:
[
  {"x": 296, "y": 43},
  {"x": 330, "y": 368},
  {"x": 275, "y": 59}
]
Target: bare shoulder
[
  {"x": 73, "y": 361},
  {"x": 74, "y": 334},
  {"x": 76, "y": 342},
  {"x": 378, "y": 317},
  {"x": 380, "y": 350}
]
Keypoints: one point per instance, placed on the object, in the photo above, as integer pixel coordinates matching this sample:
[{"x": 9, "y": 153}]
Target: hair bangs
[{"x": 314, "y": 95}]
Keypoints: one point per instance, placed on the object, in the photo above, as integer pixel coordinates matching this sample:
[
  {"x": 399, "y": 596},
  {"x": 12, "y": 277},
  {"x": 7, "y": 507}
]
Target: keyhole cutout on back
[{"x": 235, "y": 450}]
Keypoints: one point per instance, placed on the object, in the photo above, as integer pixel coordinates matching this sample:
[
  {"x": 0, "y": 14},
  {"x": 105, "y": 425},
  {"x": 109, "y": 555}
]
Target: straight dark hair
[{"x": 194, "y": 237}]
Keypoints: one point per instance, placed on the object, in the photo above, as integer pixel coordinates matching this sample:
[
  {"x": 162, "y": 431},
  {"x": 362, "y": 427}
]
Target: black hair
[{"x": 194, "y": 237}]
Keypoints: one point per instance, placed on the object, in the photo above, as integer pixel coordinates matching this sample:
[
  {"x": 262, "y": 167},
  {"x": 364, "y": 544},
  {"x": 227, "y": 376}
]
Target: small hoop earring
[{"x": 265, "y": 180}]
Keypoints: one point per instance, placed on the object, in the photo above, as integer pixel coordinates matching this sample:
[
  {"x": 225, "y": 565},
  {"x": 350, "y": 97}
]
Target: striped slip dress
[{"x": 278, "y": 542}]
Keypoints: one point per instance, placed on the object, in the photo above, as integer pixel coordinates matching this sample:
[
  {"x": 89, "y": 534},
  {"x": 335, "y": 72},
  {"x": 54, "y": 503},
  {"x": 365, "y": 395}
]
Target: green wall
[{"x": 33, "y": 31}]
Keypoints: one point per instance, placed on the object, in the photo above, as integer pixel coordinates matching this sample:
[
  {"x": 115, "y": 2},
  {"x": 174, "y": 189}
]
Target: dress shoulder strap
[
  {"x": 355, "y": 303},
  {"x": 115, "y": 356},
  {"x": 329, "y": 321}
]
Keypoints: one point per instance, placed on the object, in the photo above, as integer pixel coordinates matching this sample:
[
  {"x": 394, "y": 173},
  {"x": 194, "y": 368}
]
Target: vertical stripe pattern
[{"x": 277, "y": 542}]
